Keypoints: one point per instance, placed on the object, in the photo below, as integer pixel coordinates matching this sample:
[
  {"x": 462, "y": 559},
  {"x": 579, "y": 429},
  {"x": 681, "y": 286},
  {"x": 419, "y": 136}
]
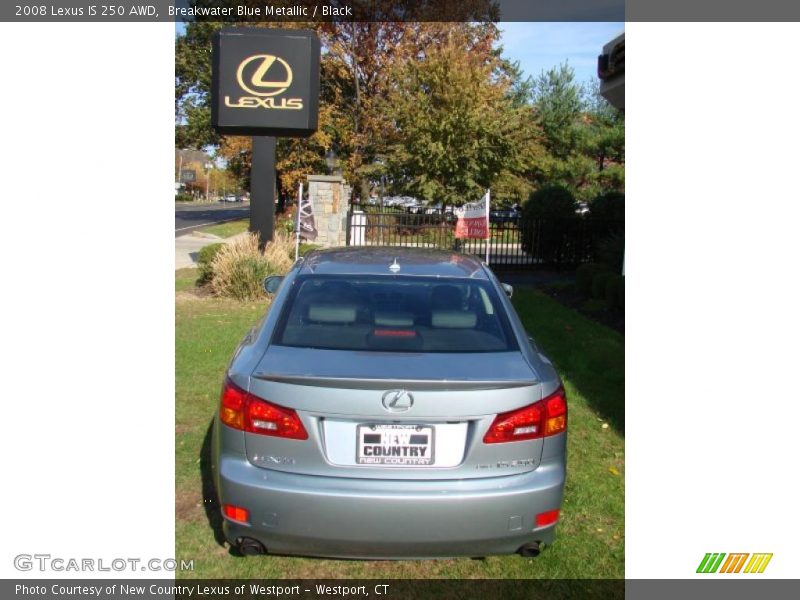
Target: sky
[{"x": 541, "y": 46}]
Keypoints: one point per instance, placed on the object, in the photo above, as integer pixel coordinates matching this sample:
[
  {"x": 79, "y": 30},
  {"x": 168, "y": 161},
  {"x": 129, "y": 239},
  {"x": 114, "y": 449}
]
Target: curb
[{"x": 201, "y": 234}]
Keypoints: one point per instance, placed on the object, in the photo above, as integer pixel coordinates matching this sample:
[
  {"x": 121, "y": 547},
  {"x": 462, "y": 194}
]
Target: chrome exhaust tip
[
  {"x": 250, "y": 547},
  {"x": 530, "y": 550}
]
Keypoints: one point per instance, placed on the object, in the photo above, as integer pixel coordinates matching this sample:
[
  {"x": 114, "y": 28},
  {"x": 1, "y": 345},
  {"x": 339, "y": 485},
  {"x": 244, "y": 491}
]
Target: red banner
[{"x": 473, "y": 220}]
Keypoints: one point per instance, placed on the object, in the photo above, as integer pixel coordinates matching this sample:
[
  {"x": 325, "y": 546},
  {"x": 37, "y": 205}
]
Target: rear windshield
[{"x": 394, "y": 313}]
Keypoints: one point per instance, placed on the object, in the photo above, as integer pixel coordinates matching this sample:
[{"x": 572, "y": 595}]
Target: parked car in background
[
  {"x": 435, "y": 209},
  {"x": 391, "y": 201},
  {"x": 501, "y": 216},
  {"x": 390, "y": 405}
]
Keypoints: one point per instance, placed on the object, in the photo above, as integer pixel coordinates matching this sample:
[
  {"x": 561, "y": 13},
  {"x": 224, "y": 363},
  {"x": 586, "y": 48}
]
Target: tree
[
  {"x": 222, "y": 181},
  {"x": 456, "y": 126},
  {"x": 295, "y": 157},
  {"x": 193, "y": 86},
  {"x": 605, "y": 141},
  {"x": 359, "y": 60},
  {"x": 432, "y": 107},
  {"x": 356, "y": 60},
  {"x": 558, "y": 99},
  {"x": 356, "y": 76},
  {"x": 584, "y": 136}
]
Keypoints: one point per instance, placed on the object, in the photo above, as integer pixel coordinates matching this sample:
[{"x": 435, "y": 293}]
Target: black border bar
[
  {"x": 310, "y": 11},
  {"x": 714, "y": 586}
]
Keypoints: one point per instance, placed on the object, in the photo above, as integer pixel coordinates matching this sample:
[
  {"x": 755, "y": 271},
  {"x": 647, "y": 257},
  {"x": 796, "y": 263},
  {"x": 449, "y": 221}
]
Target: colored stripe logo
[{"x": 738, "y": 562}]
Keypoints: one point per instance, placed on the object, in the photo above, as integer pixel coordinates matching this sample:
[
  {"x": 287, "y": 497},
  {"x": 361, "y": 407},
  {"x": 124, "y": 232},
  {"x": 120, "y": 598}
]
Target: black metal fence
[{"x": 514, "y": 242}]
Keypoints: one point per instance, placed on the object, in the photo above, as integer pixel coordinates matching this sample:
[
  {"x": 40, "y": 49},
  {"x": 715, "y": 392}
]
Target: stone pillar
[{"x": 330, "y": 198}]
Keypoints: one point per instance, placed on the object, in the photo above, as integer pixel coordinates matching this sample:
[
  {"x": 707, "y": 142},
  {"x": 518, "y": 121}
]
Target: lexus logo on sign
[
  {"x": 264, "y": 77},
  {"x": 397, "y": 400},
  {"x": 265, "y": 82}
]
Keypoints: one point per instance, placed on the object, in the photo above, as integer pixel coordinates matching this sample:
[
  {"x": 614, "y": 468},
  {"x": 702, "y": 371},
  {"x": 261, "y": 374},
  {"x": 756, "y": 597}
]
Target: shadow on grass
[
  {"x": 209, "y": 491},
  {"x": 589, "y": 355}
]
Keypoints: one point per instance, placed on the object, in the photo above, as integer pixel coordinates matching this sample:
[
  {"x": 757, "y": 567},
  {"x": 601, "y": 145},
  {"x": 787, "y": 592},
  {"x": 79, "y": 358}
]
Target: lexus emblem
[
  {"x": 272, "y": 75},
  {"x": 397, "y": 400}
]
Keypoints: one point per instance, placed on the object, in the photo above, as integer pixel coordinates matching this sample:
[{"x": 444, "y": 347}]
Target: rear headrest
[
  {"x": 394, "y": 319},
  {"x": 332, "y": 313},
  {"x": 453, "y": 319}
]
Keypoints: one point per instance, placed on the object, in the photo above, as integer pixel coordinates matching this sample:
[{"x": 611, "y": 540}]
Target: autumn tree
[
  {"x": 357, "y": 65},
  {"x": 295, "y": 157},
  {"x": 457, "y": 126},
  {"x": 358, "y": 70},
  {"x": 433, "y": 106}
]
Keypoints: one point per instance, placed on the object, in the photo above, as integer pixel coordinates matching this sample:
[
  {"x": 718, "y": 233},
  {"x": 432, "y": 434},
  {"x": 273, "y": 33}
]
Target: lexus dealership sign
[{"x": 265, "y": 82}]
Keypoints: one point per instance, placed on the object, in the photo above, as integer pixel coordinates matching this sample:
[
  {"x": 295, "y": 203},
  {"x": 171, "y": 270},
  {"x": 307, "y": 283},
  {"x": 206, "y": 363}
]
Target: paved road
[{"x": 189, "y": 217}]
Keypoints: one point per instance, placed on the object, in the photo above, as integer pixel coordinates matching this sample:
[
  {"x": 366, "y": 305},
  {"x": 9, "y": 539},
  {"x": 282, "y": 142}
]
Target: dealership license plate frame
[{"x": 413, "y": 428}]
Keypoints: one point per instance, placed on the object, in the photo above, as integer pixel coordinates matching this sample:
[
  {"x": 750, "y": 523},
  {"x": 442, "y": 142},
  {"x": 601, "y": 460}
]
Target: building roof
[{"x": 611, "y": 70}]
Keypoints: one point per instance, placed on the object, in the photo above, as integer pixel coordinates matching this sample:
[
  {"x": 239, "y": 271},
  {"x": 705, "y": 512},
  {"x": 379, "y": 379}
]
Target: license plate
[{"x": 395, "y": 445}]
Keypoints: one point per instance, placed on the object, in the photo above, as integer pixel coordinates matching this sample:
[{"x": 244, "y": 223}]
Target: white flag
[{"x": 306, "y": 227}]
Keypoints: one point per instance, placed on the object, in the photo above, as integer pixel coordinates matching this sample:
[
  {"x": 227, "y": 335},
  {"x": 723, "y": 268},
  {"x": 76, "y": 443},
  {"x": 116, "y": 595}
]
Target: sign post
[
  {"x": 265, "y": 84},
  {"x": 262, "y": 188},
  {"x": 297, "y": 222}
]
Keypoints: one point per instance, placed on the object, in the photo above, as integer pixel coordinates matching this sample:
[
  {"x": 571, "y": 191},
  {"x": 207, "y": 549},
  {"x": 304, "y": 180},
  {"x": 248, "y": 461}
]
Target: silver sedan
[{"x": 390, "y": 405}]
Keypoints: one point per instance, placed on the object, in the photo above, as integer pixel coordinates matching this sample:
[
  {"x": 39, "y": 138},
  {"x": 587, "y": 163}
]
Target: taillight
[
  {"x": 244, "y": 411},
  {"x": 546, "y": 518},
  {"x": 544, "y": 418},
  {"x": 236, "y": 513}
]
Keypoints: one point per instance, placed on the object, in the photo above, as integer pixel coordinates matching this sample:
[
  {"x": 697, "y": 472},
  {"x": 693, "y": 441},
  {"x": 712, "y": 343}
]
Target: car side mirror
[
  {"x": 508, "y": 289},
  {"x": 272, "y": 283}
]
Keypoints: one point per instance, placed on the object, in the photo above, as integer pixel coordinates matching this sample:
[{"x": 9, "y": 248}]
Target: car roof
[{"x": 376, "y": 260}]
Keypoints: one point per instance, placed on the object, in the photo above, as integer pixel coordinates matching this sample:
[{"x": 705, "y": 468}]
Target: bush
[
  {"x": 615, "y": 292},
  {"x": 585, "y": 274},
  {"x": 280, "y": 253},
  {"x": 183, "y": 197},
  {"x": 611, "y": 251},
  {"x": 204, "y": 259},
  {"x": 305, "y": 248},
  {"x": 285, "y": 224},
  {"x": 239, "y": 268},
  {"x": 599, "y": 282},
  {"x": 555, "y": 206},
  {"x": 607, "y": 212},
  {"x": 550, "y": 202},
  {"x": 609, "y": 206}
]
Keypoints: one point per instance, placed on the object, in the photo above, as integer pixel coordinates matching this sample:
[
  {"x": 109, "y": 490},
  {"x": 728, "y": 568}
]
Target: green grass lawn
[
  {"x": 590, "y": 539},
  {"x": 228, "y": 228}
]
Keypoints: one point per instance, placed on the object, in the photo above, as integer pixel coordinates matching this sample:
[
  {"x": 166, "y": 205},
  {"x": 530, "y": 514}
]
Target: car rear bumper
[{"x": 363, "y": 518}]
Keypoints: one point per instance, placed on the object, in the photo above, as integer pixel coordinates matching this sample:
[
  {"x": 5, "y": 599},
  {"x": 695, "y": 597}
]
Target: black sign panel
[{"x": 265, "y": 82}]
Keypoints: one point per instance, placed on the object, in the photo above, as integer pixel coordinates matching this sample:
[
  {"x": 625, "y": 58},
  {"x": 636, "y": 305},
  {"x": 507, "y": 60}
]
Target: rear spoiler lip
[{"x": 406, "y": 384}]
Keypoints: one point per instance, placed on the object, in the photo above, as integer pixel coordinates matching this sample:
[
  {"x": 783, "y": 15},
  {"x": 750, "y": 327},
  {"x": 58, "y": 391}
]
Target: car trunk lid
[{"x": 430, "y": 424}]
